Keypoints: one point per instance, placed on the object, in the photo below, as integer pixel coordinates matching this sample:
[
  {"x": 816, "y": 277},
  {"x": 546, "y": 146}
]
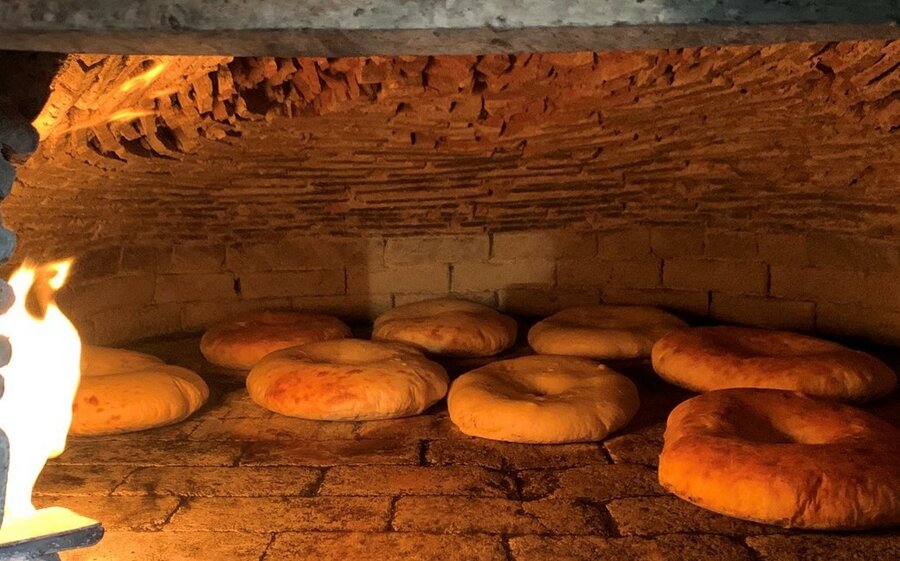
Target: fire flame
[
  {"x": 40, "y": 381},
  {"x": 144, "y": 79},
  {"x": 127, "y": 115}
]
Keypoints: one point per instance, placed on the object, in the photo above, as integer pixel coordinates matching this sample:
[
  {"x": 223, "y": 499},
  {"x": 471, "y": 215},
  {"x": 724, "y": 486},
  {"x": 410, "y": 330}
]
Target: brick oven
[{"x": 738, "y": 169}]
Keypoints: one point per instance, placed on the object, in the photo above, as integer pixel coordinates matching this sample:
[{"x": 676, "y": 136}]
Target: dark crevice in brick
[
  {"x": 265, "y": 552},
  {"x": 124, "y": 479},
  {"x": 182, "y": 503},
  {"x": 507, "y": 549},
  {"x": 317, "y": 484},
  {"x": 392, "y": 512},
  {"x": 423, "y": 452}
]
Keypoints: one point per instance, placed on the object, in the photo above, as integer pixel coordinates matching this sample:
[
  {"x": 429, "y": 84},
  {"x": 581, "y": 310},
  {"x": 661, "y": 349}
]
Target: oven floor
[{"x": 238, "y": 483}]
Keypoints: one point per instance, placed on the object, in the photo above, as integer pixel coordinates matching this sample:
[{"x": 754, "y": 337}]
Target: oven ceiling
[{"x": 366, "y": 27}]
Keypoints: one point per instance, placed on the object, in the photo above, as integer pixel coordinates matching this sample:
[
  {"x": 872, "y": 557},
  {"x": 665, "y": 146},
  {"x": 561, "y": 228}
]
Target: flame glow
[
  {"x": 144, "y": 79},
  {"x": 39, "y": 382},
  {"x": 128, "y": 114}
]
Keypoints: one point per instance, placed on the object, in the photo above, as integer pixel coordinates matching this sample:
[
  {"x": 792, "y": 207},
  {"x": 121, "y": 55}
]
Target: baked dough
[
  {"x": 711, "y": 358},
  {"x": 444, "y": 326},
  {"x": 100, "y": 361},
  {"x": 542, "y": 400},
  {"x": 124, "y": 391},
  {"x": 240, "y": 343},
  {"x": 347, "y": 379},
  {"x": 602, "y": 332},
  {"x": 783, "y": 458}
]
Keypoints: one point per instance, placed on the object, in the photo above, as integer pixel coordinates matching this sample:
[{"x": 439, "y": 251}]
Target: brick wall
[
  {"x": 809, "y": 282},
  {"x": 745, "y": 183}
]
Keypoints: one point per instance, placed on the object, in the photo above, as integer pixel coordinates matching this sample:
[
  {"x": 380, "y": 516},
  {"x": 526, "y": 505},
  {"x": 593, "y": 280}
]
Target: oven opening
[{"x": 333, "y": 283}]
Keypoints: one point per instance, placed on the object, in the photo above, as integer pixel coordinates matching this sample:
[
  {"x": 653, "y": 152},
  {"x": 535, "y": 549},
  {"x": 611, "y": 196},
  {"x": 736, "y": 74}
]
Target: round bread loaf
[
  {"x": 100, "y": 361},
  {"x": 542, "y": 400},
  {"x": 711, "y": 358},
  {"x": 242, "y": 342},
  {"x": 152, "y": 396},
  {"x": 445, "y": 326},
  {"x": 602, "y": 332},
  {"x": 783, "y": 458},
  {"x": 347, "y": 379}
]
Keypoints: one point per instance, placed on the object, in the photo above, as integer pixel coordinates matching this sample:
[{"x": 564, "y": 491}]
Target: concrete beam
[{"x": 365, "y": 27}]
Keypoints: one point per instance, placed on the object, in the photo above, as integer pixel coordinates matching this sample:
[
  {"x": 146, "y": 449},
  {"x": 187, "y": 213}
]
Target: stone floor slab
[
  {"x": 87, "y": 480},
  {"x": 263, "y": 515},
  {"x": 394, "y": 546},
  {"x": 332, "y": 453},
  {"x": 151, "y": 453},
  {"x": 595, "y": 483},
  {"x": 652, "y": 516},
  {"x": 222, "y": 481},
  {"x": 416, "y": 480},
  {"x": 816, "y": 547},
  {"x": 118, "y": 513},
  {"x": 461, "y": 515},
  {"x": 276, "y": 428},
  {"x": 509, "y": 455},
  {"x": 676, "y": 547},
  {"x": 173, "y": 546}
]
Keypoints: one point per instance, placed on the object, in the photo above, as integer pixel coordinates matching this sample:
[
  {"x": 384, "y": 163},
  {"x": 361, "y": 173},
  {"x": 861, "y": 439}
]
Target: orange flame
[
  {"x": 144, "y": 79},
  {"x": 40, "y": 383},
  {"x": 127, "y": 115}
]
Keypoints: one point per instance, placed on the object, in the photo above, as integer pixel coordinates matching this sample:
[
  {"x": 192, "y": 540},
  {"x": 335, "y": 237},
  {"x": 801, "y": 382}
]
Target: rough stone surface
[
  {"x": 138, "y": 452},
  {"x": 808, "y": 547},
  {"x": 403, "y": 480},
  {"x": 456, "y": 515},
  {"x": 221, "y": 481},
  {"x": 282, "y": 514},
  {"x": 173, "y": 546},
  {"x": 329, "y": 29},
  {"x": 594, "y": 483},
  {"x": 393, "y": 546},
  {"x": 146, "y": 513},
  {"x": 85, "y": 480},
  {"x": 332, "y": 452},
  {"x": 650, "y": 516},
  {"x": 509, "y": 455},
  {"x": 676, "y": 547}
]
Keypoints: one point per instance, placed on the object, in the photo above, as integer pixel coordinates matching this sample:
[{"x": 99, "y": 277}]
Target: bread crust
[
  {"x": 782, "y": 458},
  {"x": 242, "y": 342},
  {"x": 542, "y": 400},
  {"x": 445, "y": 326},
  {"x": 123, "y": 391},
  {"x": 101, "y": 361},
  {"x": 347, "y": 379},
  {"x": 710, "y": 358},
  {"x": 602, "y": 331}
]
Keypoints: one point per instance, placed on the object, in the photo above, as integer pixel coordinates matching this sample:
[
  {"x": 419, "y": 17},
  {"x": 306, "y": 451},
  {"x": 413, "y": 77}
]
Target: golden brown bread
[
  {"x": 242, "y": 342},
  {"x": 125, "y": 391},
  {"x": 347, "y": 379},
  {"x": 710, "y": 358},
  {"x": 783, "y": 458},
  {"x": 100, "y": 361},
  {"x": 542, "y": 399},
  {"x": 444, "y": 326},
  {"x": 602, "y": 331}
]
